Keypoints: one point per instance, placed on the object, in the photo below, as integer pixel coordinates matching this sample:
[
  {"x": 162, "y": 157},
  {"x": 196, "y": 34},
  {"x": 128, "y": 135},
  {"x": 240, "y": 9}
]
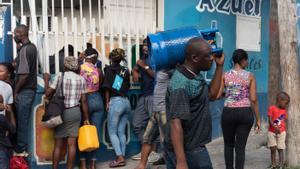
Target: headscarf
[
  {"x": 71, "y": 63},
  {"x": 90, "y": 53}
]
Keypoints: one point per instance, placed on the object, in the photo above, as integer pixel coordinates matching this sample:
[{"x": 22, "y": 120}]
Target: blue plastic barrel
[{"x": 166, "y": 49}]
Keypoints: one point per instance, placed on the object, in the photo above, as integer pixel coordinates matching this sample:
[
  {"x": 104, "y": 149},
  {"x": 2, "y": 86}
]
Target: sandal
[
  {"x": 115, "y": 164},
  {"x": 271, "y": 167}
]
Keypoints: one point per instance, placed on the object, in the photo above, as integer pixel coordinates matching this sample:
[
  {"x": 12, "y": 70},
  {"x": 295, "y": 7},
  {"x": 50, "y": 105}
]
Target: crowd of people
[{"x": 172, "y": 120}]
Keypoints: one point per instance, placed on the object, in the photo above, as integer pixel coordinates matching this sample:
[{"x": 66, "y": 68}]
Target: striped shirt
[{"x": 74, "y": 85}]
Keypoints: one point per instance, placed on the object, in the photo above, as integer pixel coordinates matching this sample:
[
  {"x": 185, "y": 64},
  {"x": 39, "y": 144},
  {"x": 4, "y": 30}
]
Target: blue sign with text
[{"x": 242, "y": 7}]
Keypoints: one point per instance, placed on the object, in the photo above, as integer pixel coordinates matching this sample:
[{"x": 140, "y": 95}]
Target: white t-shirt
[{"x": 7, "y": 94}]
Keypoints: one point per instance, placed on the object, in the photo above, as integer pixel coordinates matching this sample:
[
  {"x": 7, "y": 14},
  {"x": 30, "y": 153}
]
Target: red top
[{"x": 278, "y": 116}]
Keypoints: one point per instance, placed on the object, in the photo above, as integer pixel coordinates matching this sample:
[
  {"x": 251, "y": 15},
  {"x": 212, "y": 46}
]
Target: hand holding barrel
[{"x": 219, "y": 59}]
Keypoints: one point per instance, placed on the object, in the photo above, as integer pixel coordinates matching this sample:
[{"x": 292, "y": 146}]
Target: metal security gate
[{"x": 106, "y": 24}]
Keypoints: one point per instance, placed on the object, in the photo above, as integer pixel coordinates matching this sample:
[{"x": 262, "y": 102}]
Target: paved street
[{"x": 257, "y": 156}]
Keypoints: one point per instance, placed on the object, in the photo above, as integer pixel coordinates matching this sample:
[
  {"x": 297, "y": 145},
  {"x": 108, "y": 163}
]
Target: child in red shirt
[{"x": 277, "y": 115}]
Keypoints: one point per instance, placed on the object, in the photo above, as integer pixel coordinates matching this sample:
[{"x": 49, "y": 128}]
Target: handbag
[
  {"x": 55, "y": 107},
  {"x": 18, "y": 163},
  {"x": 88, "y": 138},
  {"x": 119, "y": 78}
]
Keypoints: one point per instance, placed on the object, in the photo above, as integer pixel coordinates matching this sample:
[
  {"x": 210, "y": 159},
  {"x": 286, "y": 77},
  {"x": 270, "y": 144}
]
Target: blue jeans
[
  {"x": 196, "y": 159},
  {"x": 96, "y": 112},
  {"x": 4, "y": 157},
  {"x": 119, "y": 108},
  {"x": 23, "y": 104}
]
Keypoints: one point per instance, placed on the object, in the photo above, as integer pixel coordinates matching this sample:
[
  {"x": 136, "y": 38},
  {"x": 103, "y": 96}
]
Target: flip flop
[{"x": 115, "y": 164}]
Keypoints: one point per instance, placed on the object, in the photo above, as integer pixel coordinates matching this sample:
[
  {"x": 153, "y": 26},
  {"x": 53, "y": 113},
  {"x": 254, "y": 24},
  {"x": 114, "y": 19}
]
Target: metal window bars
[{"x": 105, "y": 24}]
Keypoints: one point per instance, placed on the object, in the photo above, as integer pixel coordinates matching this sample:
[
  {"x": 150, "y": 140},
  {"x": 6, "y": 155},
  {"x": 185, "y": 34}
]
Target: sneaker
[
  {"x": 23, "y": 154},
  {"x": 137, "y": 156},
  {"x": 271, "y": 167},
  {"x": 160, "y": 161},
  {"x": 153, "y": 157}
]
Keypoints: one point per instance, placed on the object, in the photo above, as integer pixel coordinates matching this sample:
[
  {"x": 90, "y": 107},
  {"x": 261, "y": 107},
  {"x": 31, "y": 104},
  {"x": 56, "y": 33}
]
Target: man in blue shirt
[{"x": 144, "y": 106}]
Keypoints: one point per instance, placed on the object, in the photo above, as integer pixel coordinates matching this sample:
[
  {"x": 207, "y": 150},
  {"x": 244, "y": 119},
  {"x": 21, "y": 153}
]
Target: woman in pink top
[
  {"x": 240, "y": 103},
  {"x": 93, "y": 77}
]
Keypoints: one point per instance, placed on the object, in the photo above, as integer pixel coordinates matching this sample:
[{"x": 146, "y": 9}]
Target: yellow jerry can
[{"x": 88, "y": 138}]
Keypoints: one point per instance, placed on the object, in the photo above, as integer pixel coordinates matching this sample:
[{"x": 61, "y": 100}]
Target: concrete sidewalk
[
  {"x": 257, "y": 155},
  {"x": 130, "y": 165}
]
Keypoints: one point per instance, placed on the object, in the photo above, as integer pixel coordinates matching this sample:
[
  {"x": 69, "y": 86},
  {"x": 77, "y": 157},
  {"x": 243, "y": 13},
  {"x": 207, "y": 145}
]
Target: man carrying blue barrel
[{"x": 189, "y": 123}]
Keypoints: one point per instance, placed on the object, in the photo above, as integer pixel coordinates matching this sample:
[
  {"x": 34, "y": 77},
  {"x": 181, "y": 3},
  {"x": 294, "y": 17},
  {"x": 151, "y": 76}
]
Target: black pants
[{"x": 236, "y": 125}]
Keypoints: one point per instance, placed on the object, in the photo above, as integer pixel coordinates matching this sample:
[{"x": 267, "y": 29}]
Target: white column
[
  {"x": 103, "y": 42},
  {"x": 144, "y": 18},
  {"x": 128, "y": 30},
  {"x": 84, "y": 32},
  {"x": 120, "y": 24},
  {"x": 12, "y": 10},
  {"x": 93, "y": 32},
  {"x": 111, "y": 30},
  {"x": 137, "y": 38},
  {"x": 62, "y": 15},
  {"x": 102, "y": 38},
  {"x": 90, "y": 11},
  {"x": 66, "y": 36},
  {"x": 13, "y": 26},
  {"x": 153, "y": 16},
  {"x": 75, "y": 37},
  {"x": 22, "y": 7},
  {"x": 161, "y": 12},
  {"x": 46, "y": 36},
  {"x": 99, "y": 22},
  {"x": 56, "y": 48},
  {"x": 52, "y": 14},
  {"x": 81, "y": 17},
  {"x": 33, "y": 19},
  {"x": 23, "y": 18},
  {"x": 72, "y": 15},
  {"x": 53, "y": 9},
  {"x": 32, "y": 9}
]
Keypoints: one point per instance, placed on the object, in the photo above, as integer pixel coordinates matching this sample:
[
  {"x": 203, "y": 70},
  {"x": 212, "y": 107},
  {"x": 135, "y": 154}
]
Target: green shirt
[{"x": 187, "y": 100}]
